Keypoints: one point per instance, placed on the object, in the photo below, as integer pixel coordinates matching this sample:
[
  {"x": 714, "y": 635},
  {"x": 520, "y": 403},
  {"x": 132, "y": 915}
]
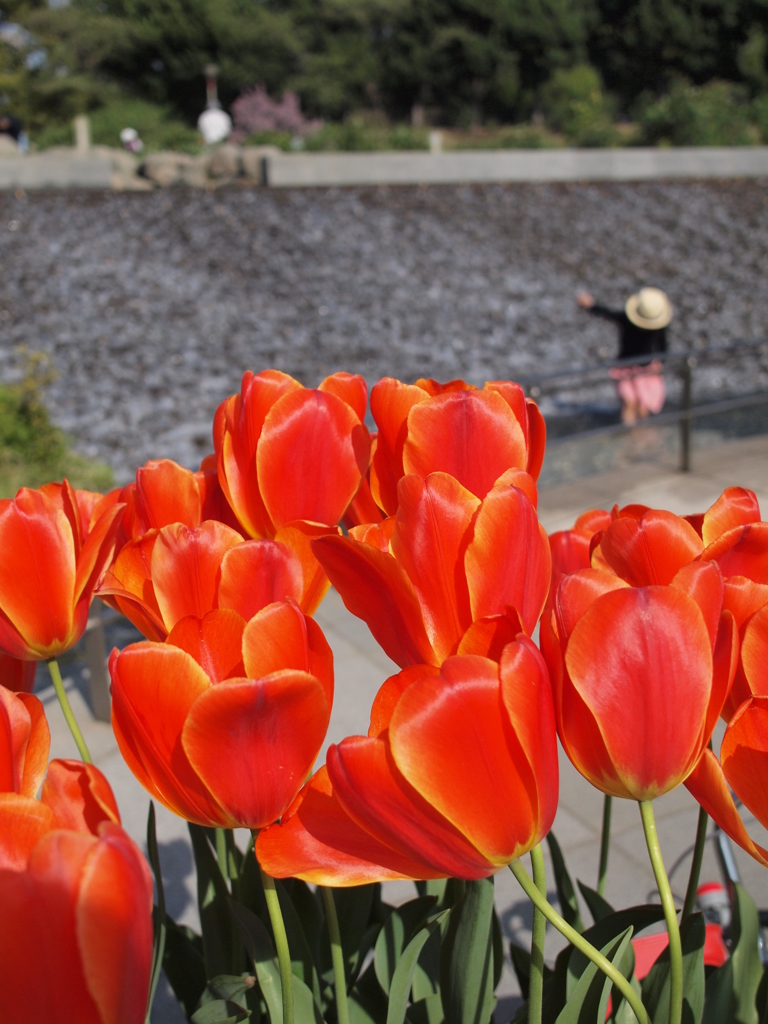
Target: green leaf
[
  {"x": 598, "y": 907},
  {"x": 731, "y": 990},
  {"x": 588, "y": 1002},
  {"x": 158, "y": 912},
  {"x": 426, "y": 1011},
  {"x": 497, "y": 940},
  {"x": 400, "y": 987},
  {"x": 426, "y": 979},
  {"x": 466, "y": 961},
  {"x": 566, "y": 895},
  {"x": 302, "y": 961},
  {"x": 761, "y": 999},
  {"x": 655, "y": 985},
  {"x": 308, "y": 907},
  {"x": 636, "y": 918},
  {"x": 367, "y": 1002},
  {"x": 395, "y": 934},
  {"x": 220, "y": 1011},
  {"x": 437, "y": 887},
  {"x": 184, "y": 964},
  {"x": 230, "y": 987},
  {"x": 353, "y": 909},
  {"x": 219, "y": 947}
]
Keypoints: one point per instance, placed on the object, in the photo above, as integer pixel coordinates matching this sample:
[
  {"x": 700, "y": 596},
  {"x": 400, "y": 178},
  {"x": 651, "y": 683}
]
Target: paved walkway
[{"x": 361, "y": 668}]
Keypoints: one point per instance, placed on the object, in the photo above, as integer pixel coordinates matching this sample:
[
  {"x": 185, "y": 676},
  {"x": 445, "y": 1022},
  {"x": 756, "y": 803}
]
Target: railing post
[
  {"x": 686, "y": 423},
  {"x": 96, "y": 659}
]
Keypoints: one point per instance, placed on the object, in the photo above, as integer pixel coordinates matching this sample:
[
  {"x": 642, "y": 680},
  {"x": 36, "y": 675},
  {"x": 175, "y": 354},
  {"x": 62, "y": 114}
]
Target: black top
[
  {"x": 10, "y": 125},
  {"x": 633, "y": 340}
]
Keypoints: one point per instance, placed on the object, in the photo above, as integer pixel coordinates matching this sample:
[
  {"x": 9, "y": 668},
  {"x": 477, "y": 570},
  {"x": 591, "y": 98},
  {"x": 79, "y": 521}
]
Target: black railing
[{"x": 683, "y": 365}]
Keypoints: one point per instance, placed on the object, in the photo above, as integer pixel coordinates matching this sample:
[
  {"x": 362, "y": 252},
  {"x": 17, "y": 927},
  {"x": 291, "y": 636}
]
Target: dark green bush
[
  {"x": 717, "y": 114},
  {"x": 574, "y": 103}
]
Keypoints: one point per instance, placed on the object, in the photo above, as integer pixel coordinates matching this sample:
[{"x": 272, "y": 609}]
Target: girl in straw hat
[{"x": 642, "y": 333}]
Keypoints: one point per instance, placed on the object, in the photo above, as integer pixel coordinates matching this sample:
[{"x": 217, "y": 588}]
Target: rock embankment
[{"x": 152, "y": 305}]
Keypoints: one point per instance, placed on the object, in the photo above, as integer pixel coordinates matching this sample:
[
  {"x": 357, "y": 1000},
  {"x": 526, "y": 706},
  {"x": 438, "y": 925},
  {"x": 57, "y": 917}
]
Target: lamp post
[{"x": 214, "y": 123}]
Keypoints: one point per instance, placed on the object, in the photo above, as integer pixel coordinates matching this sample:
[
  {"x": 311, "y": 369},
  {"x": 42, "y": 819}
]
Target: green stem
[
  {"x": 281, "y": 945},
  {"x": 580, "y": 942},
  {"x": 221, "y": 854},
  {"x": 337, "y": 955},
  {"x": 536, "y": 986},
  {"x": 670, "y": 914},
  {"x": 605, "y": 843},
  {"x": 74, "y": 728},
  {"x": 698, "y": 856}
]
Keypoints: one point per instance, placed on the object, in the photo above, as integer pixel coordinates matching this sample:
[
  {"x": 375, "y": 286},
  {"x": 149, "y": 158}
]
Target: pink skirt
[{"x": 641, "y": 385}]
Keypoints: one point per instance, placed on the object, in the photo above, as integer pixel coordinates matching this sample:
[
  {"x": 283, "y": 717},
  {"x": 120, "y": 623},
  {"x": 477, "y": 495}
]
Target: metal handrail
[{"x": 685, "y": 415}]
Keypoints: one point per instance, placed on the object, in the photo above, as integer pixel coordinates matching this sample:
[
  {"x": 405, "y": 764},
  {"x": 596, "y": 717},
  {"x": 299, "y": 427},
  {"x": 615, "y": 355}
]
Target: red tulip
[
  {"x": 450, "y": 573},
  {"x": 178, "y": 571},
  {"x": 475, "y": 436},
  {"x": 458, "y": 776},
  {"x": 288, "y": 454},
  {"x": 24, "y": 743},
  {"x": 223, "y": 722},
  {"x": 642, "y": 657},
  {"x": 47, "y": 574},
  {"x": 571, "y": 549},
  {"x": 743, "y": 766},
  {"x": 17, "y": 675}
]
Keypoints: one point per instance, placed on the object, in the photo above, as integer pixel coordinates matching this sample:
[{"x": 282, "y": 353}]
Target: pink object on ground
[{"x": 642, "y": 386}]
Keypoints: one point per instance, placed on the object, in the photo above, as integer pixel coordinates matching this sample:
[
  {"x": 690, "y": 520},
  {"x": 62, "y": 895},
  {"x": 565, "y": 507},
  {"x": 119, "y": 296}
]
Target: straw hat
[{"x": 649, "y": 308}]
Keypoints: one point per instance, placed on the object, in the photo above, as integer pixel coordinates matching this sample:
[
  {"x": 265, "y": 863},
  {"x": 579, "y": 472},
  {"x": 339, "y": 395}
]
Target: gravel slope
[{"x": 152, "y": 305}]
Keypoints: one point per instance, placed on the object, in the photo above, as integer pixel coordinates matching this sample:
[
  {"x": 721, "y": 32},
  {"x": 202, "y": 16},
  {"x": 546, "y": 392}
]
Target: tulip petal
[
  {"x": 489, "y": 636},
  {"x": 742, "y": 551},
  {"x": 708, "y": 785},
  {"x": 129, "y": 583},
  {"x": 153, "y": 689},
  {"x": 215, "y": 642},
  {"x": 25, "y": 740},
  {"x": 650, "y": 550},
  {"x": 391, "y": 402},
  {"x": 742, "y": 598},
  {"x": 471, "y": 435},
  {"x": 378, "y": 535},
  {"x": 38, "y": 745},
  {"x": 23, "y": 823},
  {"x": 515, "y": 398},
  {"x": 580, "y": 590},
  {"x": 508, "y": 562},
  {"x": 744, "y": 756},
  {"x": 537, "y": 439},
  {"x": 257, "y": 573},
  {"x": 376, "y": 589},
  {"x": 429, "y": 542},
  {"x": 185, "y": 568},
  {"x": 390, "y": 692},
  {"x": 377, "y": 796},
  {"x": 725, "y": 660},
  {"x": 317, "y": 841},
  {"x": 736, "y": 506},
  {"x": 114, "y": 928},
  {"x": 298, "y": 537},
  {"x": 754, "y": 652},
  {"x": 350, "y": 388},
  {"x": 17, "y": 675},
  {"x": 282, "y": 637},
  {"x": 37, "y": 572},
  {"x": 168, "y": 493},
  {"x": 450, "y": 738},
  {"x": 527, "y": 695},
  {"x": 79, "y": 796},
  {"x": 704, "y": 583},
  {"x": 254, "y": 741},
  {"x": 641, "y": 660},
  {"x": 97, "y": 552}
]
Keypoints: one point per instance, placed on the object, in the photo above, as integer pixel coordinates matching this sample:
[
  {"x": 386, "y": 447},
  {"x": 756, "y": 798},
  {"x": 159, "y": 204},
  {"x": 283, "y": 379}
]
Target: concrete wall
[
  {"x": 327, "y": 169},
  {"x": 44, "y": 170}
]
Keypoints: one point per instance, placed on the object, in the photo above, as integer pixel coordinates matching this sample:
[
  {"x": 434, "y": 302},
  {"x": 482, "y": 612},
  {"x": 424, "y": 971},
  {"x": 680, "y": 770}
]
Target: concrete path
[{"x": 361, "y": 668}]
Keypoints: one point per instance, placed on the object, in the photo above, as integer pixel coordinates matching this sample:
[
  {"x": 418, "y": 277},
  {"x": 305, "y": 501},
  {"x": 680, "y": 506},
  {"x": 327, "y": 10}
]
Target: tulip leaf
[
  {"x": 220, "y": 1011},
  {"x": 636, "y": 918},
  {"x": 158, "y": 912},
  {"x": 466, "y": 961},
  {"x": 598, "y": 907},
  {"x": 521, "y": 962},
  {"x": 498, "y": 948},
  {"x": 302, "y": 961},
  {"x": 307, "y": 905},
  {"x": 588, "y": 1002},
  {"x": 426, "y": 1011},
  {"x": 231, "y": 987},
  {"x": 184, "y": 964},
  {"x": 221, "y": 956},
  {"x": 400, "y": 987},
  {"x": 353, "y": 909},
  {"x": 261, "y": 951},
  {"x": 731, "y": 990},
  {"x": 566, "y": 895},
  {"x": 761, "y": 999},
  {"x": 655, "y": 985},
  {"x": 426, "y": 978},
  {"x": 399, "y": 927},
  {"x": 367, "y": 1002}
]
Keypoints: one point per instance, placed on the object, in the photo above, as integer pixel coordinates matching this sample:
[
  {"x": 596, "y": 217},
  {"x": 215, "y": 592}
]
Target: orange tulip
[
  {"x": 47, "y": 573},
  {"x": 458, "y": 776},
  {"x": 290, "y": 455},
  {"x": 450, "y": 573},
  {"x": 178, "y": 571},
  {"x": 571, "y": 549},
  {"x": 75, "y": 890},
  {"x": 17, "y": 675},
  {"x": 642, "y": 656},
  {"x": 474, "y": 435},
  {"x": 223, "y": 722}
]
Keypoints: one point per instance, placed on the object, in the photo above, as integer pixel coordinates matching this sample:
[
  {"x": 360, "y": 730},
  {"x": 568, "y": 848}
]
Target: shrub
[
  {"x": 253, "y": 112},
  {"x": 156, "y": 125},
  {"x": 574, "y": 103},
  {"x": 716, "y": 114}
]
